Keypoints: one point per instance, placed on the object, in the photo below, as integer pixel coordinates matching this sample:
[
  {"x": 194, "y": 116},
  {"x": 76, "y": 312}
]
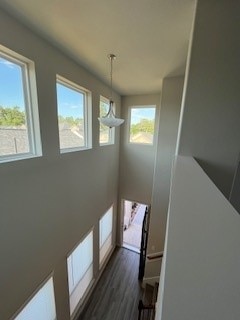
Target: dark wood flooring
[{"x": 118, "y": 291}]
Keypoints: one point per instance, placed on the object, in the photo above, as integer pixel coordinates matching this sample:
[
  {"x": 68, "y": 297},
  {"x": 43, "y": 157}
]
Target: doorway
[{"x": 133, "y": 215}]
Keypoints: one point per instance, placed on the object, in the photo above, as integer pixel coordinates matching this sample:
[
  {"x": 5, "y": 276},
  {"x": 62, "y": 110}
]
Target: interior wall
[
  {"x": 211, "y": 116},
  {"x": 166, "y": 144},
  {"x": 136, "y": 160},
  {"x": 201, "y": 257},
  {"x": 235, "y": 192},
  {"x": 48, "y": 204}
]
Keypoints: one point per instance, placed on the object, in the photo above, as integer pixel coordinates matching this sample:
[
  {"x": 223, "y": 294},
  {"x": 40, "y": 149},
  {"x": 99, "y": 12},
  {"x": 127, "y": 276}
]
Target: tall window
[
  {"x": 142, "y": 121},
  {"x": 19, "y": 123},
  {"x": 73, "y": 116},
  {"x": 106, "y": 135},
  {"x": 41, "y": 306},
  {"x": 105, "y": 235},
  {"x": 80, "y": 270}
]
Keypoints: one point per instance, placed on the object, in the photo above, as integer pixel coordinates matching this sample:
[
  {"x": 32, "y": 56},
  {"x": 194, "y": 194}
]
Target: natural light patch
[
  {"x": 142, "y": 121},
  {"x": 80, "y": 271},
  {"x": 73, "y": 115},
  {"x": 19, "y": 126},
  {"x": 106, "y": 135},
  {"x": 105, "y": 235},
  {"x": 41, "y": 306}
]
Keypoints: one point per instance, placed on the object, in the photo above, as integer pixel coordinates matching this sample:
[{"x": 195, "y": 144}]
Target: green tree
[
  {"x": 12, "y": 116},
  {"x": 71, "y": 121},
  {"x": 145, "y": 125}
]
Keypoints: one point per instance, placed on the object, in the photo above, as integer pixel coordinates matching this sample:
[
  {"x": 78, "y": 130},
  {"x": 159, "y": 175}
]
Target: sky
[
  {"x": 70, "y": 102},
  {"x": 11, "y": 93},
  {"x": 142, "y": 113}
]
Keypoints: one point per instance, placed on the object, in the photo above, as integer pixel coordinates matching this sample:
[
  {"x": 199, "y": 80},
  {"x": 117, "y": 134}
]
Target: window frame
[
  {"x": 111, "y": 131},
  {"x": 87, "y": 113},
  {"x": 105, "y": 256},
  {"x": 35, "y": 292},
  {"x": 29, "y": 88},
  {"x": 72, "y": 304},
  {"x": 150, "y": 106}
]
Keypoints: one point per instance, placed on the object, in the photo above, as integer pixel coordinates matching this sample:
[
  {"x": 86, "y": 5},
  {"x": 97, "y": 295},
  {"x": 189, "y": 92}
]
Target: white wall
[
  {"x": 136, "y": 160},
  {"x": 201, "y": 257},
  {"x": 47, "y": 204},
  {"x": 211, "y": 116},
  {"x": 168, "y": 127}
]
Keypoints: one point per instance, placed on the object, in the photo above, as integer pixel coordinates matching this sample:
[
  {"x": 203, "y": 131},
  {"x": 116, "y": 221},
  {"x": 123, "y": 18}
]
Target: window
[
  {"x": 41, "y": 306},
  {"x": 142, "y": 124},
  {"x": 19, "y": 122},
  {"x": 80, "y": 270},
  {"x": 106, "y": 135},
  {"x": 73, "y": 116},
  {"x": 105, "y": 235}
]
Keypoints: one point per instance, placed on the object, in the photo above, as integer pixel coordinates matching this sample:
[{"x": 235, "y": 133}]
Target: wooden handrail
[{"x": 154, "y": 256}]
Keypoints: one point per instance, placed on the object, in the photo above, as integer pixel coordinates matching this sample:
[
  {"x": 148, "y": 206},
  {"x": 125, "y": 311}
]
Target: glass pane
[
  {"x": 142, "y": 125},
  {"x": 70, "y": 117},
  {"x": 79, "y": 261},
  {"x": 41, "y": 306},
  {"x": 105, "y": 226},
  {"x": 104, "y": 135},
  {"x": 13, "y": 125}
]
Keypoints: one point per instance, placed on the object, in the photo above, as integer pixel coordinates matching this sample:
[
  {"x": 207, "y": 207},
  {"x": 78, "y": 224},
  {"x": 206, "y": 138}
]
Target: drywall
[
  {"x": 136, "y": 160},
  {"x": 235, "y": 192},
  {"x": 211, "y": 116},
  {"x": 201, "y": 258},
  {"x": 48, "y": 203},
  {"x": 167, "y": 137}
]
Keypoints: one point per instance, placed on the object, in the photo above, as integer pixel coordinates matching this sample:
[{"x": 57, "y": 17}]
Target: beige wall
[
  {"x": 136, "y": 160},
  {"x": 166, "y": 145},
  {"x": 200, "y": 278},
  {"x": 211, "y": 115},
  {"x": 47, "y": 204},
  {"x": 200, "y": 275}
]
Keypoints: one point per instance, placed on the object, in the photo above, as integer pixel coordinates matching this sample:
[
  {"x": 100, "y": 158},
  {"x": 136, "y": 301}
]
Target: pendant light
[{"x": 110, "y": 120}]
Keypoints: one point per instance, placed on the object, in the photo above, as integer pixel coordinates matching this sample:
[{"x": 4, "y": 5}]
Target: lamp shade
[{"x": 110, "y": 120}]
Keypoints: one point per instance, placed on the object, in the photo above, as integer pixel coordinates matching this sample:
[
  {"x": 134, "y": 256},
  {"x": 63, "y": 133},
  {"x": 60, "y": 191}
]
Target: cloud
[
  {"x": 74, "y": 106},
  {"x": 7, "y": 63}
]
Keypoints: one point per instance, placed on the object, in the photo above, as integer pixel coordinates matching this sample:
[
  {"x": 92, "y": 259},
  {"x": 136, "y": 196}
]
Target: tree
[
  {"x": 12, "y": 116},
  {"x": 71, "y": 121},
  {"x": 145, "y": 125}
]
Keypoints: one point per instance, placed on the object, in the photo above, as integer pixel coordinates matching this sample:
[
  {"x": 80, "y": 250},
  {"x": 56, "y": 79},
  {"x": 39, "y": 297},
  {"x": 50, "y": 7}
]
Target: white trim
[
  {"x": 87, "y": 114},
  {"x": 30, "y": 105},
  {"x": 150, "y": 280},
  {"x": 152, "y": 106},
  {"x": 51, "y": 276}
]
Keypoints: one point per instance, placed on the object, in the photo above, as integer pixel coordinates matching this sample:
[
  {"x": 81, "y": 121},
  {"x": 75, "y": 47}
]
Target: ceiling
[{"x": 149, "y": 37}]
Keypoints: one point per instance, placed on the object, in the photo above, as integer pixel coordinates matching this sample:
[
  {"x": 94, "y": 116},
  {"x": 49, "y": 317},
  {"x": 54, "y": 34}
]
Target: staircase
[{"x": 146, "y": 306}]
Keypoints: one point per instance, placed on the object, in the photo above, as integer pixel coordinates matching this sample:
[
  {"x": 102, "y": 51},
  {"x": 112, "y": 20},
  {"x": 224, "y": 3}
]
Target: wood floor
[{"x": 117, "y": 293}]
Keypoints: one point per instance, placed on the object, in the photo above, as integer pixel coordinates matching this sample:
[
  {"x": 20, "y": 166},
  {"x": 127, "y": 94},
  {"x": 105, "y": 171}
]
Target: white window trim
[
  {"x": 30, "y": 103},
  {"x": 111, "y": 131},
  {"x": 35, "y": 292},
  {"x": 75, "y": 306},
  {"x": 129, "y": 125},
  {"x": 109, "y": 239},
  {"x": 87, "y": 114}
]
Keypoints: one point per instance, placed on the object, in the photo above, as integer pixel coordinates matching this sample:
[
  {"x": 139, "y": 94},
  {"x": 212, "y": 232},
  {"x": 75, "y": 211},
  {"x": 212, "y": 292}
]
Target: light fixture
[{"x": 110, "y": 120}]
